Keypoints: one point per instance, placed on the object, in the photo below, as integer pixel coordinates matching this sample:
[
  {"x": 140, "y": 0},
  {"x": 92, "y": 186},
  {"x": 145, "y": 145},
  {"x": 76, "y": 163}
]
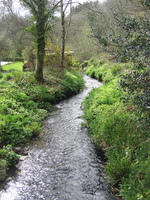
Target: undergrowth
[
  {"x": 104, "y": 70},
  {"x": 118, "y": 129}
]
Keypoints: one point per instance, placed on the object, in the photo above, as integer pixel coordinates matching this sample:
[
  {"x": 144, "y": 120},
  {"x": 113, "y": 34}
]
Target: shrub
[
  {"x": 1, "y": 75},
  {"x": 9, "y": 156},
  {"x": 119, "y": 128},
  {"x": 105, "y": 71},
  {"x": 72, "y": 82},
  {"x": 119, "y": 132},
  {"x": 17, "y": 113}
]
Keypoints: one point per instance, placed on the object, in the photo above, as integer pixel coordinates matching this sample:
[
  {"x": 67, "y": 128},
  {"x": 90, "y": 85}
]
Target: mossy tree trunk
[
  {"x": 64, "y": 5},
  {"x": 40, "y": 28},
  {"x": 41, "y": 15},
  {"x": 63, "y": 33}
]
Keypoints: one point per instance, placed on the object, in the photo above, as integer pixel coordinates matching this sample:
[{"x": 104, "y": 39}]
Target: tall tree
[
  {"x": 64, "y": 5},
  {"x": 41, "y": 15}
]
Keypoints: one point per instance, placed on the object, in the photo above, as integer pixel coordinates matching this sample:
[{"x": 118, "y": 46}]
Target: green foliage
[
  {"x": 72, "y": 82},
  {"x": 13, "y": 66},
  {"x": 134, "y": 44},
  {"x": 137, "y": 86},
  {"x": 52, "y": 58},
  {"x": 3, "y": 164},
  {"x": 42, "y": 94},
  {"x": 109, "y": 94},
  {"x": 119, "y": 127},
  {"x": 103, "y": 70},
  {"x": 1, "y": 75},
  {"x": 120, "y": 134},
  {"x": 18, "y": 114},
  {"x": 9, "y": 156},
  {"x": 24, "y": 103},
  {"x": 8, "y": 76}
]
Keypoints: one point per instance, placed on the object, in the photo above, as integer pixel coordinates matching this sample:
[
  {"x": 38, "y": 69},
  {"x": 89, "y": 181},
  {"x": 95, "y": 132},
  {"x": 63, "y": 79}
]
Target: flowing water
[{"x": 62, "y": 164}]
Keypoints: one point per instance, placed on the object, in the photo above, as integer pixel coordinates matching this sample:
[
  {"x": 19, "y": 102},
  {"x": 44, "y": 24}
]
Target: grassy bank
[
  {"x": 25, "y": 103},
  {"x": 13, "y": 66},
  {"x": 117, "y": 128}
]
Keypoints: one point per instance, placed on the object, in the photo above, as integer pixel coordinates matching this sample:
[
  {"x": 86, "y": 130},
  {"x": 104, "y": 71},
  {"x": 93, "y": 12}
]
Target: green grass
[
  {"x": 13, "y": 66},
  {"x": 8, "y": 157},
  {"x": 119, "y": 130},
  {"x": 104, "y": 70}
]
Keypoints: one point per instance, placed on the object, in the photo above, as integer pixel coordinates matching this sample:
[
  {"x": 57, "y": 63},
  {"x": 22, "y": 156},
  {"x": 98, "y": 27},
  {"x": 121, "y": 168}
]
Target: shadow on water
[{"x": 62, "y": 164}]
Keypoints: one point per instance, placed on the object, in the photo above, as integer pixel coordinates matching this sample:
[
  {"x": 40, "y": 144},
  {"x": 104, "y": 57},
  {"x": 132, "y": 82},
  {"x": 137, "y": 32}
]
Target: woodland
[{"x": 108, "y": 41}]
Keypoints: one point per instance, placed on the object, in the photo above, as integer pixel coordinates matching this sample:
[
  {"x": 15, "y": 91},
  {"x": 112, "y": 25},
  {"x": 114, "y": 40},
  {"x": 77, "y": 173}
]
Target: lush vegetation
[
  {"x": 24, "y": 102},
  {"x": 8, "y": 157},
  {"x": 120, "y": 128},
  {"x": 118, "y": 114}
]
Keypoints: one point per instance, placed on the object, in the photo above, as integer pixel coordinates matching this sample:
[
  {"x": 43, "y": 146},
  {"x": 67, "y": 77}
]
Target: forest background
[{"x": 110, "y": 41}]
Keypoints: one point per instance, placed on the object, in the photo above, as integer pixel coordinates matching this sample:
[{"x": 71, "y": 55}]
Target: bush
[
  {"x": 72, "y": 82},
  {"x": 8, "y": 77},
  {"x": 105, "y": 71},
  {"x": 1, "y": 75},
  {"x": 9, "y": 156},
  {"x": 116, "y": 129},
  {"x": 119, "y": 128},
  {"x": 137, "y": 86},
  {"x": 18, "y": 113}
]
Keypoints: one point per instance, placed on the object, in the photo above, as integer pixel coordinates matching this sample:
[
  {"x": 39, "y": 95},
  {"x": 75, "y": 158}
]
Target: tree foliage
[
  {"x": 126, "y": 34},
  {"x": 13, "y": 38},
  {"x": 134, "y": 44},
  {"x": 135, "y": 47}
]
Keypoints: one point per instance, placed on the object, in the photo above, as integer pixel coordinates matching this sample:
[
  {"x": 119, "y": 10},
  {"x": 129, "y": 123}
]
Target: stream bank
[{"x": 62, "y": 164}]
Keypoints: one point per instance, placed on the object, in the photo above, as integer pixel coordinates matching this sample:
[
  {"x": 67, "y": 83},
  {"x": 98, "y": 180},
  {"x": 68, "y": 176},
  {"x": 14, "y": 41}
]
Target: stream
[{"x": 62, "y": 164}]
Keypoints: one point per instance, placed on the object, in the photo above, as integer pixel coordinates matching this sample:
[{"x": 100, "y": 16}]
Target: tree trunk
[
  {"x": 40, "y": 53},
  {"x": 41, "y": 14},
  {"x": 63, "y": 34},
  {"x": 40, "y": 27}
]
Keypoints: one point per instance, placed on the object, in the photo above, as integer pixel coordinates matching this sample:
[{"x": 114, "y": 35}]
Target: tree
[
  {"x": 63, "y": 10},
  {"x": 41, "y": 15},
  {"x": 79, "y": 36},
  {"x": 13, "y": 38},
  {"x": 129, "y": 19}
]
